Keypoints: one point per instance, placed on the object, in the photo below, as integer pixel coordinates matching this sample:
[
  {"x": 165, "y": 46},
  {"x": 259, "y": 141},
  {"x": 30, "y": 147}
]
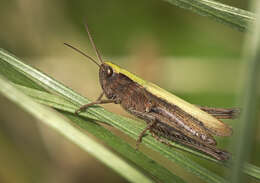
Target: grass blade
[
  {"x": 234, "y": 17},
  {"x": 252, "y": 170},
  {"x": 101, "y": 133},
  {"x": 249, "y": 103},
  {"x": 63, "y": 105},
  {"x": 61, "y": 125}
]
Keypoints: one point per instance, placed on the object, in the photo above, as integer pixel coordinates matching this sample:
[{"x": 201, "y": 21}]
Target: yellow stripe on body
[{"x": 210, "y": 122}]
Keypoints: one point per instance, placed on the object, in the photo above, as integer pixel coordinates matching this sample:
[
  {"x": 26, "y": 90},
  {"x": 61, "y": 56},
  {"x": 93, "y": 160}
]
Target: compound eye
[{"x": 109, "y": 71}]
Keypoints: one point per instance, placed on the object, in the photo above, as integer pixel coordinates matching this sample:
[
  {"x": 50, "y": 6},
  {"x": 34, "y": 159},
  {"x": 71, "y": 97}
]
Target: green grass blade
[
  {"x": 234, "y": 17},
  {"x": 48, "y": 117},
  {"x": 101, "y": 133},
  {"x": 252, "y": 170},
  {"x": 63, "y": 105},
  {"x": 248, "y": 120}
]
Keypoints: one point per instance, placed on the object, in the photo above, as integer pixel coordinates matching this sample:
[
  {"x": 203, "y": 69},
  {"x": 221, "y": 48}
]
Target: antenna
[
  {"x": 82, "y": 53},
  {"x": 93, "y": 44}
]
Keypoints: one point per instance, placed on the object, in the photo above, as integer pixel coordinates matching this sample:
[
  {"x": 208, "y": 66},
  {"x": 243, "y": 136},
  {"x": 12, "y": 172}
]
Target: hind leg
[
  {"x": 147, "y": 117},
  {"x": 164, "y": 141}
]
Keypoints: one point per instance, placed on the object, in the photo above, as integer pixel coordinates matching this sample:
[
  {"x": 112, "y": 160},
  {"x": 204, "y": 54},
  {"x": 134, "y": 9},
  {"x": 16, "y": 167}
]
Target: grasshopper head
[{"x": 108, "y": 78}]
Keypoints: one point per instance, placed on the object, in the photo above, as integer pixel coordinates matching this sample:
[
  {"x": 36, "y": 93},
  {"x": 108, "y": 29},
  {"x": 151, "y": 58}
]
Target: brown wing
[
  {"x": 183, "y": 122},
  {"x": 214, "y": 125}
]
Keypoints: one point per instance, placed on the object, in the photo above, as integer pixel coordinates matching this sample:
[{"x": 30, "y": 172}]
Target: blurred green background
[{"x": 190, "y": 55}]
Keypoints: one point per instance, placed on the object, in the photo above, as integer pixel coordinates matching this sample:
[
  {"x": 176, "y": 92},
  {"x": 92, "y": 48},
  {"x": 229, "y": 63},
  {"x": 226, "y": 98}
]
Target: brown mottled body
[{"x": 168, "y": 120}]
